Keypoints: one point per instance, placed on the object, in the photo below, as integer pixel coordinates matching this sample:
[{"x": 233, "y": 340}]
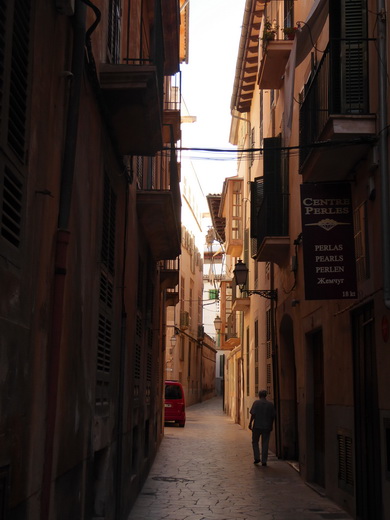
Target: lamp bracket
[{"x": 270, "y": 294}]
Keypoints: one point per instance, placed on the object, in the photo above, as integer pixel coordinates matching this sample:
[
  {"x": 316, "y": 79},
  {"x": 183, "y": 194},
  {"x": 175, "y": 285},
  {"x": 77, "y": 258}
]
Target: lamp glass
[
  {"x": 217, "y": 323},
  {"x": 240, "y": 273}
]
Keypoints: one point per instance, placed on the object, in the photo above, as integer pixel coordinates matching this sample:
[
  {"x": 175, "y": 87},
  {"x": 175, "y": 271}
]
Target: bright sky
[{"x": 207, "y": 85}]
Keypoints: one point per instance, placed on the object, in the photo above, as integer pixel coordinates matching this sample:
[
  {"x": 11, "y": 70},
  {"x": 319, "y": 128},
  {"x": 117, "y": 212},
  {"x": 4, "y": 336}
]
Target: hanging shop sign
[{"x": 328, "y": 241}]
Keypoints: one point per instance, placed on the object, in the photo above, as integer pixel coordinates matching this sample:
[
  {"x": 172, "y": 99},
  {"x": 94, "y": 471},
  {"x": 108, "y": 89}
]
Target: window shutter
[
  {"x": 272, "y": 165},
  {"x": 273, "y": 198},
  {"x": 257, "y": 196},
  {"x": 11, "y": 208},
  {"x": 348, "y": 31},
  {"x": 114, "y": 24},
  {"x": 18, "y": 88},
  {"x": 109, "y": 227}
]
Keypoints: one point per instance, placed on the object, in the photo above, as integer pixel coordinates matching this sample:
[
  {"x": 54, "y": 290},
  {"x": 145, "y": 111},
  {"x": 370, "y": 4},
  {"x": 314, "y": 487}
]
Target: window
[
  {"x": 15, "y": 31},
  {"x": 256, "y": 357},
  {"x": 247, "y": 363},
  {"x": 236, "y": 211},
  {"x": 213, "y": 294},
  {"x": 106, "y": 297},
  {"x": 14, "y": 100},
  {"x": 269, "y": 350},
  {"x": 345, "y": 470},
  {"x": 114, "y": 23},
  {"x": 361, "y": 238},
  {"x": 288, "y": 13},
  {"x": 190, "y": 307},
  {"x": 11, "y": 207},
  {"x": 252, "y": 145}
]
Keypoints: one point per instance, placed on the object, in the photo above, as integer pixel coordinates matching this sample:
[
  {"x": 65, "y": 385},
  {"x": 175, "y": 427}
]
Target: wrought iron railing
[
  {"x": 272, "y": 218},
  {"x": 338, "y": 86},
  {"x": 172, "y": 92},
  {"x": 150, "y": 47}
]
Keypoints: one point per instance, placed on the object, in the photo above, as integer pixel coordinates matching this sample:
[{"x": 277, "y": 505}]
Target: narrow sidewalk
[{"x": 205, "y": 471}]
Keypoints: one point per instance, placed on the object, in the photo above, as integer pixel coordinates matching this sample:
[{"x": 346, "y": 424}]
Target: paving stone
[{"x": 205, "y": 471}]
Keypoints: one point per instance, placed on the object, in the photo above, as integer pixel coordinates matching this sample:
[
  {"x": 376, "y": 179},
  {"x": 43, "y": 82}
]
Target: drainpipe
[
  {"x": 60, "y": 260},
  {"x": 383, "y": 148}
]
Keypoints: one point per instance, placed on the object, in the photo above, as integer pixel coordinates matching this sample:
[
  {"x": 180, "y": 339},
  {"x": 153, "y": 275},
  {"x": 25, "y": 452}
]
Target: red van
[{"x": 175, "y": 407}]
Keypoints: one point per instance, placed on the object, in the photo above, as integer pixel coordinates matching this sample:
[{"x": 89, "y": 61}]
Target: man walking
[{"x": 261, "y": 422}]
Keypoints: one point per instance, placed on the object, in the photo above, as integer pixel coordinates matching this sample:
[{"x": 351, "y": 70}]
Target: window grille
[{"x": 345, "y": 457}]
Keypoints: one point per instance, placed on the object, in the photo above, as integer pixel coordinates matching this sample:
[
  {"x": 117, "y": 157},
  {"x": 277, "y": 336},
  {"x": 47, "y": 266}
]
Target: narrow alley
[{"x": 205, "y": 471}]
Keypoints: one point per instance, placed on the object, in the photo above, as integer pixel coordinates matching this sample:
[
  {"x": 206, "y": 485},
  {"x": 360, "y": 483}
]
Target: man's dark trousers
[{"x": 265, "y": 435}]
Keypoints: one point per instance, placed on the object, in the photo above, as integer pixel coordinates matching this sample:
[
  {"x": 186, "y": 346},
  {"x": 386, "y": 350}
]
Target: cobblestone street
[{"x": 205, "y": 471}]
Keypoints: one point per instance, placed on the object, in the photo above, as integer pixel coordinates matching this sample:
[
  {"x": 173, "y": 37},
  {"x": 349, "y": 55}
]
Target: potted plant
[
  {"x": 269, "y": 30},
  {"x": 289, "y": 32}
]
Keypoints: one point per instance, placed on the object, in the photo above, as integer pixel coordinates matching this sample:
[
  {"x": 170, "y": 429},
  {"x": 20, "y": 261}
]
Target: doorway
[
  {"x": 317, "y": 405},
  {"x": 288, "y": 392},
  {"x": 367, "y": 422}
]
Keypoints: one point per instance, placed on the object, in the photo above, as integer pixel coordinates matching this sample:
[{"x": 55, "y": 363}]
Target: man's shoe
[
  {"x": 256, "y": 461},
  {"x": 263, "y": 463}
]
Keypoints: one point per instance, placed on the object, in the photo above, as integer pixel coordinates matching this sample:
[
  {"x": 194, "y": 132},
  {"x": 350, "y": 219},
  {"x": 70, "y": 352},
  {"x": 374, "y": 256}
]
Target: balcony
[
  {"x": 171, "y": 32},
  {"x": 231, "y": 210},
  {"x": 132, "y": 91},
  {"x": 336, "y": 128},
  {"x": 169, "y": 273},
  {"x": 172, "y": 109},
  {"x": 159, "y": 214},
  {"x": 269, "y": 208},
  {"x": 272, "y": 243},
  {"x": 171, "y": 297},
  {"x": 239, "y": 303},
  {"x": 131, "y": 94},
  {"x": 273, "y": 61}
]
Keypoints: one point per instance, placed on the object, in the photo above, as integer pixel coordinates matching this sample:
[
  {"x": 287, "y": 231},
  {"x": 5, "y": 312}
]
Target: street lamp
[
  {"x": 241, "y": 274},
  {"x": 217, "y": 323}
]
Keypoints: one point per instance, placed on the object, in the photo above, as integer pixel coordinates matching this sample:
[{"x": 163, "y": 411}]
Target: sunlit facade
[{"x": 309, "y": 119}]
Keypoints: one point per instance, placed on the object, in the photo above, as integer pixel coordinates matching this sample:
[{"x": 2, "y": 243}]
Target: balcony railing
[
  {"x": 133, "y": 84},
  {"x": 159, "y": 206},
  {"x": 273, "y": 217},
  {"x": 335, "y": 104},
  {"x": 172, "y": 108},
  {"x": 269, "y": 218},
  {"x": 169, "y": 273}
]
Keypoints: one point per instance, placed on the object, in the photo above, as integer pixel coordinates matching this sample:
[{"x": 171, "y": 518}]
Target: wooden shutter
[
  {"x": 257, "y": 196},
  {"x": 273, "y": 199},
  {"x": 348, "y": 34}
]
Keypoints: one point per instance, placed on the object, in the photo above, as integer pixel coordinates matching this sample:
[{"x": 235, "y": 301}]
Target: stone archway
[{"x": 287, "y": 391}]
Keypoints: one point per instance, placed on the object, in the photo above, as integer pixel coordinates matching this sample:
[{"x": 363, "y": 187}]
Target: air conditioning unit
[{"x": 184, "y": 320}]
